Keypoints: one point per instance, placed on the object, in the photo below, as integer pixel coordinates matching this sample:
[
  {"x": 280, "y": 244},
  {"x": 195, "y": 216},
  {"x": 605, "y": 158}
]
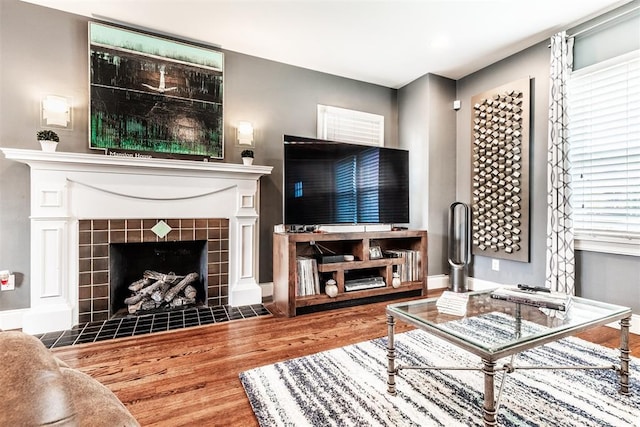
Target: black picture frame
[{"x": 154, "y": 95}]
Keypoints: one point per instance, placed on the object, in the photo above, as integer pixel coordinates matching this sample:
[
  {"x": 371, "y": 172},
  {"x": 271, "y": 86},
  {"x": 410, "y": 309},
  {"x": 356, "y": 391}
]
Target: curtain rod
[{"x": 603, "y": 22}]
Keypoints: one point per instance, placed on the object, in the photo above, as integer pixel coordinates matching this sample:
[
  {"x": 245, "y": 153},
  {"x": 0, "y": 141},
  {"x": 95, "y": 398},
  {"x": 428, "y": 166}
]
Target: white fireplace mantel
[{"x": 68, "y": 187}]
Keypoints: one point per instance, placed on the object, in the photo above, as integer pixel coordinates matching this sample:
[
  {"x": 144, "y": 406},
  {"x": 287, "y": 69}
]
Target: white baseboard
[
  {"x": 441, "y": 281},
  {"x": 438, "y": 281},
  {"x": 267, "y": 289},
  {"x": 12, "y": 319},
  {"x": 481, "y": 285}
]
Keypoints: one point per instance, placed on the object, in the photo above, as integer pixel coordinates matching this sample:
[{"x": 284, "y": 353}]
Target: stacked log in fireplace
[{"x": 157, "y": 290}]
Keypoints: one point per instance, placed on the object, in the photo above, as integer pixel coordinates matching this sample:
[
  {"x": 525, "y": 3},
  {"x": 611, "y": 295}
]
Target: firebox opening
[{"x": 129, "y": 261}]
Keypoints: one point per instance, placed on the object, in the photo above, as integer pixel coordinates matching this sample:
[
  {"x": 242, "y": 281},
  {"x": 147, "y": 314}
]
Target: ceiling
[{"x": 386, "y": 42}]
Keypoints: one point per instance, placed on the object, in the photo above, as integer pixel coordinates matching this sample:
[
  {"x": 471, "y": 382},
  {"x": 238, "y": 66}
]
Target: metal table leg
[
  {"x": 391, "y": 356},
  {"x": 624, "y": 355},
  {"x": 489, "y": 408}
]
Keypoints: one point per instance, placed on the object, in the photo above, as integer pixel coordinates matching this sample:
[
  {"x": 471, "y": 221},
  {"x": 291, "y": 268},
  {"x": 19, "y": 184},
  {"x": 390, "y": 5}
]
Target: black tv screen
[{"x": 327, "y": 182}]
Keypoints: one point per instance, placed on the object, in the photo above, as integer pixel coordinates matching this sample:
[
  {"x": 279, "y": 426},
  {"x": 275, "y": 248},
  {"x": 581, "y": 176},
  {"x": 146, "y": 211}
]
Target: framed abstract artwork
[{"x": 154, "y": 96}]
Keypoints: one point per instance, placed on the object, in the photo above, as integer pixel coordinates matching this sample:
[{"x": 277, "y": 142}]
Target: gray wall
[
  {"x": 534, "y": 63},
  {"x": 281, "y": 99},
  {"x": 49, "y": 56},
  {"x": 45, "y": 56},
  {"x": 427, "y": 126},
  {"x": 607, "y": 277},
  {"x": 442, "y": 167}
]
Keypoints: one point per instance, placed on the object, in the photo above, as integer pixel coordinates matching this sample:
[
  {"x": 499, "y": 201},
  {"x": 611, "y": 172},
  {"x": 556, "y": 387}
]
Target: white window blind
[
  {"x": 340, "y": 124},
  {"x": 358, "y": 187},
  {"x": 369, "y": 177},
  {"x": 604, "y": 133},
  {"x": 346, "y": 195}
]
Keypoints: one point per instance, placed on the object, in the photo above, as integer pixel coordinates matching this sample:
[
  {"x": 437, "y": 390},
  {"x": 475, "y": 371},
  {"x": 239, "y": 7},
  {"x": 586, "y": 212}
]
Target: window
[
  {"x": 297, "y": 189},
  {"x": 369, "y": 185},
  {"x": 604, "y": 133},
  {"x": 346, "y": 195},
  {"x": 339, "y": 124},
  {"x": 358, "y": 188}
]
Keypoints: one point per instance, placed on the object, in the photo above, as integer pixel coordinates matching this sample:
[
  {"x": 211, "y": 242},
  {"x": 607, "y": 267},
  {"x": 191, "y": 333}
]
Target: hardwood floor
[{"x": 190, "y": 376}]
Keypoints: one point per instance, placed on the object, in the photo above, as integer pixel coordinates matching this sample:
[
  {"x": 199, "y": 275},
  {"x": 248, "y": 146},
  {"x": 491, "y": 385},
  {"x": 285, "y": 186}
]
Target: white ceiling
[{"x": 386, "y": 42}]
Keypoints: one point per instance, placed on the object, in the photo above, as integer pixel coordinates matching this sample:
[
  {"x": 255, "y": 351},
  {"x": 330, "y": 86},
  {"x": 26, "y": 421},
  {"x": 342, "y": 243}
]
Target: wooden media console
[{"x": 403, "y": 252}]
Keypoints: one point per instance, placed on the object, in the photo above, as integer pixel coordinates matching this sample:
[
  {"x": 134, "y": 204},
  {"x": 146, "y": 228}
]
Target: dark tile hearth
[{"x": 148, "y": 323}]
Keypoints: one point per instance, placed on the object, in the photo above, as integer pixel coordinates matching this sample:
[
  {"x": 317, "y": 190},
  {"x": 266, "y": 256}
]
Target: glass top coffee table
[{"x": 531, "y": 327}]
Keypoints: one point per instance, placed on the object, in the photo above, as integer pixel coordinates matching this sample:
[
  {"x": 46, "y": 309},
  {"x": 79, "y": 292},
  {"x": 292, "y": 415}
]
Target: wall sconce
[
  {"x": 244, "y": 133},
  {"x": 56, "y": 111}
]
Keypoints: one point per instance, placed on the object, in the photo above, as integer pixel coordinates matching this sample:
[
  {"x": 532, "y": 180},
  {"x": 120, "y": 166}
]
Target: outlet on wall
[
  {"x": 495, "y": 264},
  {"x": 10, "y": 285}
]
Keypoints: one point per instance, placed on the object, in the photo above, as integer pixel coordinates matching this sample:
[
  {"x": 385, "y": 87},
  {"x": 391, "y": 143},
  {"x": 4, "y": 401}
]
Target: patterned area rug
[{"x": 347, "y": 387}]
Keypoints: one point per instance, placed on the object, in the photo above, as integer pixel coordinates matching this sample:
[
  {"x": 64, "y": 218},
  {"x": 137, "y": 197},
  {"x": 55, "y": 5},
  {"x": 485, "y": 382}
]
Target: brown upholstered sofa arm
[{"x": 38, "y": 391}]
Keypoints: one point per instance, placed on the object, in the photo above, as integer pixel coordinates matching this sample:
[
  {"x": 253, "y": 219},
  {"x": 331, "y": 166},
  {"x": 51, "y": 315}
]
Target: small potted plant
[
  {"x": 247, "y": 157},
  {"x": 48, "y": 140}
]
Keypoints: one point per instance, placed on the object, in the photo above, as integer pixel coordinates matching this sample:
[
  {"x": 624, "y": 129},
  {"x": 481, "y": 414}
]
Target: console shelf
[{"x": 287, "y": 247}]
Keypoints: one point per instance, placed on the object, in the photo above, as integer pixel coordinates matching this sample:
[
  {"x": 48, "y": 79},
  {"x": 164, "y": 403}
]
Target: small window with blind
[
  {"x": 340, "y": 124},
  {"x": 604, "y": 135}
]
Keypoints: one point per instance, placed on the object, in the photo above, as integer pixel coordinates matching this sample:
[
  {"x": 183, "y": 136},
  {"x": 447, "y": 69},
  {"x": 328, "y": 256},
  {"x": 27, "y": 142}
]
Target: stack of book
[
  {"x": 410, "y": 270},
  {"x": 542, "y": 299},
  {"x": 453, "y": 303},
  {"x": 307, "y": 281}
]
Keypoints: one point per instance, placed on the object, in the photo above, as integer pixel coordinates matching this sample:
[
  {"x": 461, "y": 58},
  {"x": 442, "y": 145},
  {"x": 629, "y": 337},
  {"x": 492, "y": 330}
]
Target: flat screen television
[{"x": 328, "y": 182}]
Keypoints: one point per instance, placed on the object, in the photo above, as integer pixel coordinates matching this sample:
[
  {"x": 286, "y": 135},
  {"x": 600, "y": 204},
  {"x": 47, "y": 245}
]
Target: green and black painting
[{"x": 154, "y": 95}]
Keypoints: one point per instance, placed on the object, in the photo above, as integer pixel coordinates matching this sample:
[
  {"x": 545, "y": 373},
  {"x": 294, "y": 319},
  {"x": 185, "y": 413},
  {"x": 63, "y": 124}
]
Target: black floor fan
[{"x": 459, "y": 247}]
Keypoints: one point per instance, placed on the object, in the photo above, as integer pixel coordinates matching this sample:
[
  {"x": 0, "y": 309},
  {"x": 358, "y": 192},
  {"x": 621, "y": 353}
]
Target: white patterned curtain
[{"x": 560, "y": 261}]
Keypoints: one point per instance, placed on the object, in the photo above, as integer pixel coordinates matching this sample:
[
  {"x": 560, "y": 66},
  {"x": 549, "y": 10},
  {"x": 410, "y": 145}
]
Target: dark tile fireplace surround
[{"x": 95, "y": 237}]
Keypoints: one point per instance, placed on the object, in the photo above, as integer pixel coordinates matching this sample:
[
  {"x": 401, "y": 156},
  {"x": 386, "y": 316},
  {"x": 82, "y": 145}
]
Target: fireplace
[
  {"x": 80, "y": 203},
  {"x": 156, "y": 276},
  {"x": 115, "y": 253}
]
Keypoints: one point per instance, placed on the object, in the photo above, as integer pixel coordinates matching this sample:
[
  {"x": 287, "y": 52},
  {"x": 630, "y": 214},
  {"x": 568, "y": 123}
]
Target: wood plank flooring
[{"x": 190, "y": 376}]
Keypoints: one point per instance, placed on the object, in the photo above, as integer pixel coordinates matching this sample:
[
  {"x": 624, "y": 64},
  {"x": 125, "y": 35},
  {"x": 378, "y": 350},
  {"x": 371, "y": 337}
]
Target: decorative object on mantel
[
  {"x": 500, "y": 171},
  {"x": 247, "y": 157},
  {"x": 154, "y": 95},
  {"x": 48, "y": 140}
]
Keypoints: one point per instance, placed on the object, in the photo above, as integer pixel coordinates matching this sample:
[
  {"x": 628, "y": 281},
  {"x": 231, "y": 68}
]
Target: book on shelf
[
  {"x": 307, "y": 280},
  {"x": 409, "y": 270},
  {"x": 551, "y": 300}
]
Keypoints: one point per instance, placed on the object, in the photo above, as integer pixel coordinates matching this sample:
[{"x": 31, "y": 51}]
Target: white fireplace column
[{"x": 68, "y": 187}]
